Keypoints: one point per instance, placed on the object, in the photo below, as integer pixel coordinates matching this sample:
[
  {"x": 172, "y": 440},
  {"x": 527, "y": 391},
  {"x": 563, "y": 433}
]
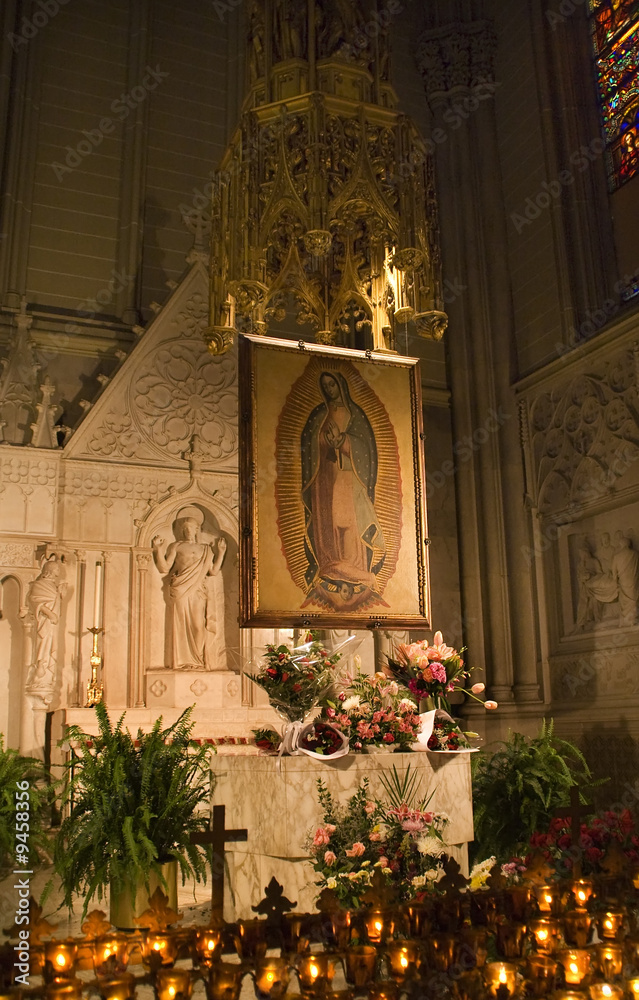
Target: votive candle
[
  {"x": 117, "y": 987},
  {"x": 500, "y": 977},
  {"x": 610, "y": 924},
  {"x": 173, "y": 984},
  {"x": 224, "y": 981},
  {"x": 605, "y": 991},
  {"x": 582, "y": 890},
  {"x": 159, "y": 948},
  {"x": 359, "y": 964},
  {"x": 609, "y": 959},
  {"x": 111, "y": 955},
  {"x": 207, "y": 946},
  {"x": 546, "y": 933},
  {"x": 59, "y": 959},
  {"x": 576, "y": 964},
  {"x": 316, "y": 973},
  {"x": 271, "y": 978},
  {"x": 402, "y": 959},
  {"x": 65, "y": 989}
]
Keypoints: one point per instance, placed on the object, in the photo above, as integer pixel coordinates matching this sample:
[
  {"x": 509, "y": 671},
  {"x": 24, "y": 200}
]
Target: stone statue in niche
[
  {"x": 606, "y": 574},
  {"x": 43, "y": 598},
  {"x": 188, "y": 563}
]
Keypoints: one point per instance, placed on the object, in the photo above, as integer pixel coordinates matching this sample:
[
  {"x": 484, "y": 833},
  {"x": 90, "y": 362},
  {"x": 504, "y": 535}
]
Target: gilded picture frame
[{"x": 333, "y": 530}]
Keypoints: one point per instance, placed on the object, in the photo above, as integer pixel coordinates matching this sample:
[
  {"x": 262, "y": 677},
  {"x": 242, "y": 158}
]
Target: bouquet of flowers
[
  {"x": 296, "y": 679},
  {"x": 610, "y": 829},
  {"x": 402, "y": 839},
  {"x": 373, "y": 712},
  {"x": 446, "y": 735},
  {"x": 432, "y": 671}
]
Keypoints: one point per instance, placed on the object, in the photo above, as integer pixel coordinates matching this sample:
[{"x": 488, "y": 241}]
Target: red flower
[
  {"x": 296, "y": 688},
  {"x": 285, "y": 676}
]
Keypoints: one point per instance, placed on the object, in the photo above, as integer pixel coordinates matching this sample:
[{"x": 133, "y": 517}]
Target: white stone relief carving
[
  {"x": 16, "y": 554},
  {"x": 583, "y": 436},
  {"x": 198, "y": 688},
  {"x": 158, "y": 688},
  {"x": 607, "y": 580},
  {"x": 233, "y": 688}
]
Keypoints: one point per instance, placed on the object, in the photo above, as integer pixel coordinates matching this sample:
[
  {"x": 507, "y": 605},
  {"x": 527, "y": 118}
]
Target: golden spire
[{"x": 324, "y": 206}]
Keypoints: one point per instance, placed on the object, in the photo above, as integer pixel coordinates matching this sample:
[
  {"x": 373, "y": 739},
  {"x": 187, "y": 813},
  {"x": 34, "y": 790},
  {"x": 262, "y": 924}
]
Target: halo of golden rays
[{"x": 304, "y": 396}]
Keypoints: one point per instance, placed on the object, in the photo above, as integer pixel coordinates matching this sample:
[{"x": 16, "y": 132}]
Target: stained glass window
[{"x": 615, "y": 35}]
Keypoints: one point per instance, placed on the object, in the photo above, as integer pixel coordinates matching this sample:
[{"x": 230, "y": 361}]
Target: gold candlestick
[{"x": 95, "y": 691}]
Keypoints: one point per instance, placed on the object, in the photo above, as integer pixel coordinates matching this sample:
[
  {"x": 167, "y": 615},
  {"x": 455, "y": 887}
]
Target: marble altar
[{"x": 280, "y": 807}]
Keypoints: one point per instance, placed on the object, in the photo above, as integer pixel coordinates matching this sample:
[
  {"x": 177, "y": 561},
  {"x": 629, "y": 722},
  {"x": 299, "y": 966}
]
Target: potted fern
[
  {"x": 517, "y": 788},
  {"x": 131, "y": 806},
  {"x": 26, "y": 796}
]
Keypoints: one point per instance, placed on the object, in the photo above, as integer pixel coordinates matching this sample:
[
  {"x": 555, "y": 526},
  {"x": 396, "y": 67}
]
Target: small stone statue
[
  {"x": 43, "y": 599},
  {"x": 188, "y": 562}
]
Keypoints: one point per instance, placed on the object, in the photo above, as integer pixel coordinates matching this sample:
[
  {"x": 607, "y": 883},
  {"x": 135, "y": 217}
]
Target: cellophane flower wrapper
[{"x": 297, "y": 679}]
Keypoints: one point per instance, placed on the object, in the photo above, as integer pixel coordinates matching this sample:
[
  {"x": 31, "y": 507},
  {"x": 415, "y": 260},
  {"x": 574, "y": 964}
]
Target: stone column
[
  {"x": 497, "y": 593},
  {"x": 138, "y": 637}
]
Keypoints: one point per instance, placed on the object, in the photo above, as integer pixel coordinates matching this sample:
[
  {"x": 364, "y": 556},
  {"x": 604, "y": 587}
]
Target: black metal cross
[
  {"x": 575, "y": 811},
  {"x": 217, "y": 837}
]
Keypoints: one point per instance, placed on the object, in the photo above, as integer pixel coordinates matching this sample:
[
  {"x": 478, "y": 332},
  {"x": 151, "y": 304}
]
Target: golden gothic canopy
[{"x": 324, "y": 205}]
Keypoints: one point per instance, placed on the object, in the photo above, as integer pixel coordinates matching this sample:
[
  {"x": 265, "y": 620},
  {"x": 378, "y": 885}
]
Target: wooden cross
[
  {"x": 575, "y": 811},
  {"x": 217, "y": 837}
]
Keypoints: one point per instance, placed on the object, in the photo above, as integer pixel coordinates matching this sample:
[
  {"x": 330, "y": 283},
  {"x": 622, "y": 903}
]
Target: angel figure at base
[{"x": 187, "y": 562}]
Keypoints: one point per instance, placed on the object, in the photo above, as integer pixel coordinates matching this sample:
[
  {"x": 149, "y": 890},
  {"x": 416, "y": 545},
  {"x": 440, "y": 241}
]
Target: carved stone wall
[{"x": 580, "y": 437}]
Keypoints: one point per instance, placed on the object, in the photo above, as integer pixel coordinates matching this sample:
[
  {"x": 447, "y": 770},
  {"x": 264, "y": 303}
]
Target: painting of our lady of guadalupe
[{"x": 335, "y": 516}]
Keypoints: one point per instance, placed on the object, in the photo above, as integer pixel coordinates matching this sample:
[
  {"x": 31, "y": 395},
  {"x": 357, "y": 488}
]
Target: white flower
[
  {"x": 419, "y": 881},
  {"x": 331, "y": 883},
  {"x": 434, "y": 874},
  {"x": 406, "y": 705},
  {"x": 351, "y": 703},
  {"x": 430, "y": 845}
]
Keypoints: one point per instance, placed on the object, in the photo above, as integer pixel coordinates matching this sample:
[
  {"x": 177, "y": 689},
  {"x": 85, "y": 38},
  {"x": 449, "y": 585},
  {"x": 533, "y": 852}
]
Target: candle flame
[
  {"x": 503, "y": 978},
  {"x": 542, "y": 934},
  {"x": 378, "y": 925},
  {"x": 314, "y": 971},
  {"x": 608, "y": 925},
  {"x": 171, "y": 991},
  {"x": 581, "y": 895},
  {"x": 157, "y": 945},
  {"x": 403, "y": 961},
  {"x": 574, "y": 968},
  {"x": 606, "y": 990},
  {"x": 210, "y": 945},
  {"x": 548, "y": 897},
  {"x": 270, "y": 976},
  {"x": 634, "y": 986},
  {"x": 60, "y": 959},
  {"x": 107, "y": 954}
]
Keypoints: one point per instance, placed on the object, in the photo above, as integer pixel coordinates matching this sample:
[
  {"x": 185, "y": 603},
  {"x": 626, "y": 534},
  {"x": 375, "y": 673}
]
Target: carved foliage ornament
[
  {"x": 180, "y": 390},
  {"x": 583, "y": 436}
]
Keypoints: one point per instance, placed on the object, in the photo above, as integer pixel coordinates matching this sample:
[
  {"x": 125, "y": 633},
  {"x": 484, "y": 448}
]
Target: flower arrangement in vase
[
  {"x": 433, "y": 671},
  {"x": 375, "y": 713},
  {"x": 296, "y": 679},
  {"x": 396, "y": 834}
]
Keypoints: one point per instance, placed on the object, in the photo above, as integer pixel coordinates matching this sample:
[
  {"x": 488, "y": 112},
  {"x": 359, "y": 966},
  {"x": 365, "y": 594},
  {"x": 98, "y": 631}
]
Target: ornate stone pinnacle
[
  {"x": 219, "y": 338},
  {"x": 431, "y": 325}
]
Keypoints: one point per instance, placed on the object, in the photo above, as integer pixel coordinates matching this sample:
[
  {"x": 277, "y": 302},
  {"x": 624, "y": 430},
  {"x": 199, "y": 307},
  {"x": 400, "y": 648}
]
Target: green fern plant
[
  {"x": 25, "y": 799},
  {"x": 517, "y": 788},
  {"x": 132, "y": 806}
]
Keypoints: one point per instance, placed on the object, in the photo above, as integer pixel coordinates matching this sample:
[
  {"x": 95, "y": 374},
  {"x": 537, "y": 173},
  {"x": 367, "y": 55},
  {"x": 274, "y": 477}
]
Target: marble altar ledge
[{"x": 279, "y": 808}]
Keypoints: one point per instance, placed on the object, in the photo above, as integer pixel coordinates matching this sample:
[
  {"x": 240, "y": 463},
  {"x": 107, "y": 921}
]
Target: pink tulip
[
  {"x": 490, "y": 705},
  {"x": 477, "y": 688}
]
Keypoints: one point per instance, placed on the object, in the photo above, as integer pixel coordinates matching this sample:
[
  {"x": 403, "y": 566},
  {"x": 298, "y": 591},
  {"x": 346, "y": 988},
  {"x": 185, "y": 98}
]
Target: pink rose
[
  {"x": 374, "y": 836},
  {"x": 356, "y": 850},
  {"x": 330, "y": 858},
  {"x": 369, "y": 808},
  {"x": 321, "y": 837},
  {"x": 330, "y": 828},
  {"x": 383, "y": 862}
]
